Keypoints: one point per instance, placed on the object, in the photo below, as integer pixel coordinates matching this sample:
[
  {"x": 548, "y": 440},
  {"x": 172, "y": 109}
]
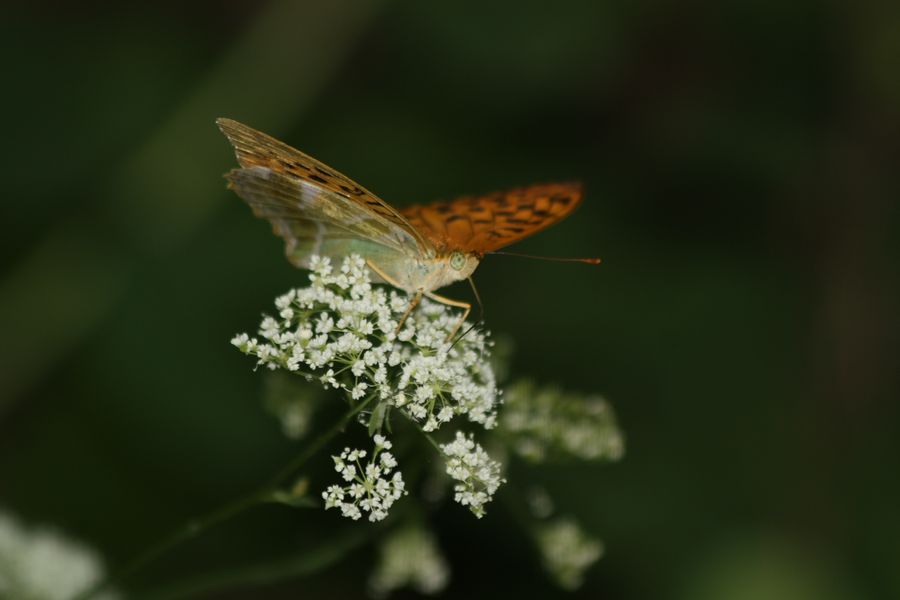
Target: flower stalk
[{"x": 193, "y": 528}]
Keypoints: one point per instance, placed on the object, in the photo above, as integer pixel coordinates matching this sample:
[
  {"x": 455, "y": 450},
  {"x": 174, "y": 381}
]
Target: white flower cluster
[
  {"x": 370, "y": 489},
  {"x": 41, "y": 564},
  {"x": 567, "y": 552},
  {"x": 341, "y": 330},
  {"x": 409, "y": 557},
  {"x": 546, "y": 422},
  {"x": 478, "y": 476}
]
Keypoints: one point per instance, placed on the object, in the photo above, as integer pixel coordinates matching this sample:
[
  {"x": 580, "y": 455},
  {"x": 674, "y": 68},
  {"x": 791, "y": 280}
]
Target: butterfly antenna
[
  {"x": 589, "y": 261},
  {"x": 477, "y": 298},
  {"x": 480, "y": 312}
]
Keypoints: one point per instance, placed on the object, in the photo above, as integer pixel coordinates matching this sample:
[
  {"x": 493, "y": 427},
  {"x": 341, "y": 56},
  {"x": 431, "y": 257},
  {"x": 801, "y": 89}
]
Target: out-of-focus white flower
[
  {"x": 292, "y": 401},
  {"x": 42, "y": 564},
  {"x": 477, "y": 475},
  {"x": 372, "y": 489},
  {"x": 409, "y": 557},
  {"x": 540, "y": 502},
  {"x": 341, "y": 331},
  {"x": 567, "y": 552},
  {"x": 545, "y": 423}
]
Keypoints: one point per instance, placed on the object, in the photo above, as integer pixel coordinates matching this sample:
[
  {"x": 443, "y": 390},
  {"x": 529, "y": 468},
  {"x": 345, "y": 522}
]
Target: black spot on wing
[
  {"x": 296, "y": 164},
  {"x": 353, "y": 190}
]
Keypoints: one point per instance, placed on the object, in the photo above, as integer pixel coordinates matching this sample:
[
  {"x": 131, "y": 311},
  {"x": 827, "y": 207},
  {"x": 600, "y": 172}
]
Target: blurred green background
[{"x": 741, "y": 166}]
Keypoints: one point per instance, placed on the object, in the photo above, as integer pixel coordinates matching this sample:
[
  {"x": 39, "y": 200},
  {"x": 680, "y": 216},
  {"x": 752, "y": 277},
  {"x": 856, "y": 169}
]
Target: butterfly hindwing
[
  {"x": 313, "y": 221},
  {"x": 484, "y": 223},
  {"x": 283, "y": 199}
]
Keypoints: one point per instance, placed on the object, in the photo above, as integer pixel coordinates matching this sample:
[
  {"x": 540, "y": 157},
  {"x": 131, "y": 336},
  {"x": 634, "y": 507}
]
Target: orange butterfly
[{"x": 420, "y": 248}]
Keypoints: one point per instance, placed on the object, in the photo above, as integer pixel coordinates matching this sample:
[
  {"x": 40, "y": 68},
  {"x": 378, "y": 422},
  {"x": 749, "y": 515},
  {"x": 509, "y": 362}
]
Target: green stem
[
  {"x": 197, "y": 526},
  {"x": 316, "y": 445},
  {"x": 188, "y": 531},
  {"x": 314, "y": 560},
  {"x": 426, "y": 434}
]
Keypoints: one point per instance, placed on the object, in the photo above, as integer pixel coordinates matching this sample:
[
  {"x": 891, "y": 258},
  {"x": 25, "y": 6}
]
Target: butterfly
[{"x": 418, "y": 248}]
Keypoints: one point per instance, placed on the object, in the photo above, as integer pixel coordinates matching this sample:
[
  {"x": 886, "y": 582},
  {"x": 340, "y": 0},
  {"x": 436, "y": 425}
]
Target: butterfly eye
[{"x": 457, "y": 261}]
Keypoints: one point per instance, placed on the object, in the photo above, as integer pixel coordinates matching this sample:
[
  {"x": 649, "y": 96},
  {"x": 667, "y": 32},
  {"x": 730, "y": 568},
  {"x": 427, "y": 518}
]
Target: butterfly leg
[
  {"x": 412, "y": 305},
  {"x": 457, "y": 304}
]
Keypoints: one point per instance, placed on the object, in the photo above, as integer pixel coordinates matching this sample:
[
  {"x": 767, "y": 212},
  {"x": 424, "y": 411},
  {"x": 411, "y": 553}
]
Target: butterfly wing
[
  {"x": 313, "y": 220},
  {"x": 481, "y": 224},
  {"x": 310, "y": 204}
]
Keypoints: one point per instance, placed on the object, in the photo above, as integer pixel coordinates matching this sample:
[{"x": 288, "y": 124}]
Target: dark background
[{"x": 740, "y": 161}]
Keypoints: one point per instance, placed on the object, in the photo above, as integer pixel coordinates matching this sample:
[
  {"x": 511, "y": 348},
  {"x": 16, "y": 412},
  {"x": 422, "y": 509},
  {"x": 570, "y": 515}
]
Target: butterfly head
[
  {"x": 444, "y": 269},
  {"x": 459, "y": 265}
]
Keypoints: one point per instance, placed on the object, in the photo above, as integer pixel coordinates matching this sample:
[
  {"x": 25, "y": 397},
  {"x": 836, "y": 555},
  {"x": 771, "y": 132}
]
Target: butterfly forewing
[
  {"x": 263, "y": 156},
  {"x": 481, "y": 224}
]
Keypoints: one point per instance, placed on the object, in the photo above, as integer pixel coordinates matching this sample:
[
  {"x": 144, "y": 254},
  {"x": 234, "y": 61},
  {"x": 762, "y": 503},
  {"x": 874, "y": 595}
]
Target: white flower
[
  {"x": 358, "y": 391},
  {"x": 341, "y": 329},
  {"x": 567, "y": 552},
  {"x": 388, "y": 460},
  {"x": 371, "y": 488},
  {"x": 478, "y": 476},
  {"x": 240, "y": 340},
  {"x": 359, "y": 367},
  {"x": 546, "y": 422},
  {"x": 42, "y": 564},
  {"x": 409, "y": 557}
]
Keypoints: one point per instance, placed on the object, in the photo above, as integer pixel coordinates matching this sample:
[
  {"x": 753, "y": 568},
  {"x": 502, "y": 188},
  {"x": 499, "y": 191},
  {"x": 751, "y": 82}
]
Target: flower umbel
[
  {"x": 344, "y": 334},
  {"x": 409, "y": 557},
  {"x": 567, "y": 552},
  {"x": 341, "y": 330},
  {"x": 477, "y": 475},
  {"x": 42, "y": 564},
  {"x": 546, "y": 422},
  {"x": 372, "y": 489}
]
